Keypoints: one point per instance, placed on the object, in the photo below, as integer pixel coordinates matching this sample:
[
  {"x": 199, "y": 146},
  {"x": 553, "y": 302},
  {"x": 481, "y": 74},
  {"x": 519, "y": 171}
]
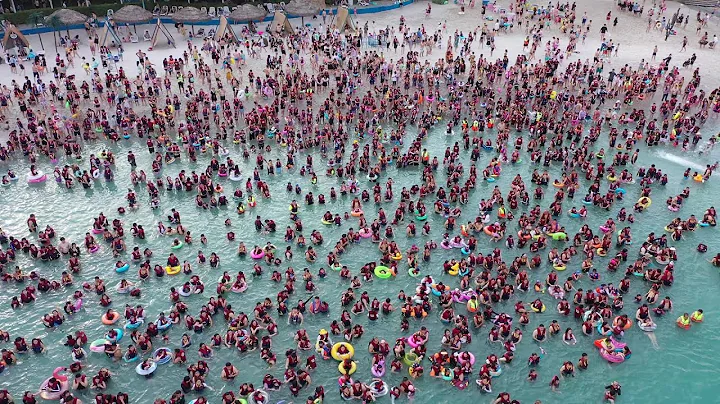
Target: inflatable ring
[
  {"x": 397, "y": 257},
  {"x": 357, "y": 213},
  {"x": 542, "y": 310},
  {"x": 560, "y": 267},
  {"x": 412, "y": 373},
  {"x": 601, "y": 252},
  {"x": 376, "y": 392},
  {"x": 98, "y": 346},
  {"x": 383, "y": 272},
  {"x": 338, "y": 357},
  {"x": 123, "y": 268},
  {"x": 133, "y": 359},
  {"x": 682, "y": 325},
  {"x": 628, "y": 325},
  {"x": 145, "y": 372},
  {"x": 173, "y": 270},
  {"x": 135, "y": 325},
  {"x": 257, "y": 256},
  {"x": 490, "y": 179},
  {"x": 110, "y": 321},
  {"x": 410, "y": 359},
  {"x": 413, "y": 272},
  {"x": 649, "y": 328},
  {"x": 325, "y": 222},
  {"x": 353, "y": 368},
  {"x": 53, "y": 394},
  {"x": 167, "y": 357},
  {"x": 421, "y": 218},
  {"x": 558, "y": 236},
  {"x": 645, "y": 205},
  {"x": 37, "y": 178},
  {"x": 262, "y": 394},
  {"x": 447, "y": 377},
  {"x": 177, "y": 246},
  {"x": 119, "y": 332}
]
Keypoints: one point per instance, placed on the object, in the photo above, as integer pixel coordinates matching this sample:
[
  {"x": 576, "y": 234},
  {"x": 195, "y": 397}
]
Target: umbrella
[
  {"x": 190, "y": 15},
  {"x": 300, "y": 8},
  {"x": 131, "y": 14},
  {"x": 69, "y": 17},
  {"x": 247, "y": 12}
]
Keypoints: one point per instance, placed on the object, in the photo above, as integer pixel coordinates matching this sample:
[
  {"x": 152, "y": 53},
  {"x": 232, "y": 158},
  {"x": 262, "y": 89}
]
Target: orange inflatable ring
[
  {"x": 628, "y": 325},
  {"x": 109, "y": 321}
]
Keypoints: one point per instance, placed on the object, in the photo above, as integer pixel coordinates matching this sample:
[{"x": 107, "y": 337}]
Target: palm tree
[
  {"x": 54, "y": 23},
  {"x": 36, "y": 19}
]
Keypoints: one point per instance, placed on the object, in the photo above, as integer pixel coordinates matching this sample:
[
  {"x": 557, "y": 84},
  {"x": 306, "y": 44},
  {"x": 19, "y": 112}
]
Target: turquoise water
[{"x": 681, "y": 367}]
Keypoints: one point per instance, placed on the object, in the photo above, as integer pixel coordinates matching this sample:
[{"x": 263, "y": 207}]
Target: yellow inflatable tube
[{"x": 338, "y": 357}]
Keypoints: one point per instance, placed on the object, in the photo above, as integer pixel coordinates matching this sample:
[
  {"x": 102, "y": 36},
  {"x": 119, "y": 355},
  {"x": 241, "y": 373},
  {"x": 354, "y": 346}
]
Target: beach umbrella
[
  {"x": 303, "y": 8},
  {"x": 190, "y": 15},
  {"x": 69, "y": 17},
  {"x": 247, "y": 12},
  {"x": 132, "y": 14}
]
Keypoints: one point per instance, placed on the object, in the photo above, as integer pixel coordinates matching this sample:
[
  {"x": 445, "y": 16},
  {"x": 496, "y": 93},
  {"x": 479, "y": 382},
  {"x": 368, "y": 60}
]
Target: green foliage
[{"x": 35, "y": 19}]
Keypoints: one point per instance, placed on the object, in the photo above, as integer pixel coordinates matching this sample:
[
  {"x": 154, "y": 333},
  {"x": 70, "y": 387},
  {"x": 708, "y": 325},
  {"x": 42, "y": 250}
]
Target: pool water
[{"x": 680, "y": 366}]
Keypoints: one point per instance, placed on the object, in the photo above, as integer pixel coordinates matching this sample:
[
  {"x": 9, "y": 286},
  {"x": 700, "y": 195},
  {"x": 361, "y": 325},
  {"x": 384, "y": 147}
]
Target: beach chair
[
  {"x": 270, "y": 7},
  {"x": 173, "y": 9},
  {"x": 282, "y": 5},
  {"x": 203, "y": 10},
  {"x": 164, "y": 10},
  {"x": 226, "y": 11},
  {"x": 212, "y": 12},
  {"x": 110, "y": 12}
]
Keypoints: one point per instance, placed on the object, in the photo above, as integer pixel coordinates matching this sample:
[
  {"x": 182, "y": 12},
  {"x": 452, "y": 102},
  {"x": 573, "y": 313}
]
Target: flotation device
[
  {"x": 683, "y": 322},
  {"x": 338, "y": 357},
  {"x": 353, "y": 368},
  {"x": 697, "y": 317}
]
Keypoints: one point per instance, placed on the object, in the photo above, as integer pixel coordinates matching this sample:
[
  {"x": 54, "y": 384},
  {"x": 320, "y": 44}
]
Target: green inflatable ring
[
  {"x": 383, "y": 272},
  {"x": 408, "y": 361},
  {"x": 411, "y": 273}
]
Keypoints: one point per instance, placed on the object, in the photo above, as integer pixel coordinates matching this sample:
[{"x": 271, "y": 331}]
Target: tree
[
  {"x": 54, "y": 22},
  {"x": 36, "y": 19}
]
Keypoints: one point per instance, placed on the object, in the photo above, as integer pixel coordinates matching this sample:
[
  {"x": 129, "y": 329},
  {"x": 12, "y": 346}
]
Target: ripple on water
[{"x": 681, "y": 369}]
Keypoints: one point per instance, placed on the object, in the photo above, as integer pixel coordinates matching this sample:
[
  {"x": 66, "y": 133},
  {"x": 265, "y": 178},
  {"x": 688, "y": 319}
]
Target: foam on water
[{"x": 680, "y": 160}]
